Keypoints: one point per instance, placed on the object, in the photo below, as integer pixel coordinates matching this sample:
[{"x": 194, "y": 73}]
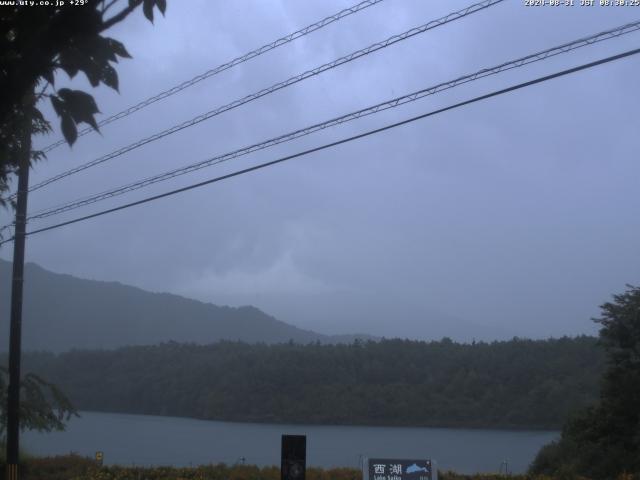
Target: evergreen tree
[{"x": 604, "y": 440}]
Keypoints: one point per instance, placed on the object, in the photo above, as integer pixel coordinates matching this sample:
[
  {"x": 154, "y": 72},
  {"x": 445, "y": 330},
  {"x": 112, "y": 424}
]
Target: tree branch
[
  {"x": 44, "y": 88},
  {"x": 108, "y": 5},
  {"x": 120, "y": 16}
]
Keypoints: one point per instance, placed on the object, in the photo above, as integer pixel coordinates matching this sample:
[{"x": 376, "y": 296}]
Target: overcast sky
[{"x": 514, "y": 216}]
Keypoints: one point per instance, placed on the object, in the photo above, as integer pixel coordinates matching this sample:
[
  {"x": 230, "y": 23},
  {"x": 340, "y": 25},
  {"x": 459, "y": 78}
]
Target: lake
[{"x": 151, "y": 440}]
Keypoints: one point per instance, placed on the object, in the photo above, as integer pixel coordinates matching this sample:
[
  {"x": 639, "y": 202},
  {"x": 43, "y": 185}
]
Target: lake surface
[{"x": 151, "y": 440}]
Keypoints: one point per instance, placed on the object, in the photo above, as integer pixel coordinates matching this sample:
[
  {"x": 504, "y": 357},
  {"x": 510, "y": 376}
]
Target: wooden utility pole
[{"x": 15, "y": 335}]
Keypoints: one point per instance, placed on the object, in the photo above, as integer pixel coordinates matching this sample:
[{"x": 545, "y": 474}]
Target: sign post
[
  {"x": 399, "y": 469},
  {"x": 293, "y": 461}
]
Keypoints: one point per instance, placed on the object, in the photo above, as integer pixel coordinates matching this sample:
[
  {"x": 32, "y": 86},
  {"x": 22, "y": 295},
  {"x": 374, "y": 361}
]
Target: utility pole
[{"x": 15, "y": 335}]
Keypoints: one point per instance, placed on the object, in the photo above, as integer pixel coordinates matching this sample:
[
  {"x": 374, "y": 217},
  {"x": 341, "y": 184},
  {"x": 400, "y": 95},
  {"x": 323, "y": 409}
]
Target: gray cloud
[{"x": 510, "y": 217}]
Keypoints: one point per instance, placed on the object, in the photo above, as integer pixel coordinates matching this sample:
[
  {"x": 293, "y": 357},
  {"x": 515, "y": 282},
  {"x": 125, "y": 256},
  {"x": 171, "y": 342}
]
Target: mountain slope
[{"x": 61, "y": 312}]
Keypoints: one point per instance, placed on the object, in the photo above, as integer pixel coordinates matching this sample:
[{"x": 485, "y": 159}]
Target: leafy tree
[
  {"x": 38, "y": 41},
  {"x": 35, "y": 43},
  {"x": 604, "y": 441},
  {"x": 43, "y": 407}
]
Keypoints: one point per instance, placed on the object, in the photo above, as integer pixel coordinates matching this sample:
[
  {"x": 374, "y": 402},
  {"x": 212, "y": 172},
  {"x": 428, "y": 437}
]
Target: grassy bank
[{"x": 73, "y": 467}]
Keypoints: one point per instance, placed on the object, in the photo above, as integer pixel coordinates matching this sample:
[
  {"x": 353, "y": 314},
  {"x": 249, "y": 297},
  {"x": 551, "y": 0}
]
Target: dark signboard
[
  {"x": 400, "y": 469},
  {"x": 293, "y": 457}
]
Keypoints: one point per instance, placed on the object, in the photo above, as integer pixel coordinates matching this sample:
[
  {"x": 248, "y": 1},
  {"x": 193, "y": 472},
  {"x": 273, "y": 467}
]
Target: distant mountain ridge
[{"x": 62, "y": 312}]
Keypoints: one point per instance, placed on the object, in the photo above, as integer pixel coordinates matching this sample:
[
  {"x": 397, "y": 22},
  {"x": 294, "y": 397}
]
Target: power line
[
  {"x": 225, "y": 66},
  {"x": 340, "y": 142},
  {"x": 393, "y": 103},
  {"x": 278, "y": 86}
]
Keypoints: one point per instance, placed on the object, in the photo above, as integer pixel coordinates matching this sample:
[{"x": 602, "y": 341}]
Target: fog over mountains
[{"x": 62, "y": 312}]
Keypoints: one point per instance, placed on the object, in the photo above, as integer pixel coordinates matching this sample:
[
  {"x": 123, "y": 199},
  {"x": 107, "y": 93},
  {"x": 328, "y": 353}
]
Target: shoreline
[{"x": 510, "y": 429}]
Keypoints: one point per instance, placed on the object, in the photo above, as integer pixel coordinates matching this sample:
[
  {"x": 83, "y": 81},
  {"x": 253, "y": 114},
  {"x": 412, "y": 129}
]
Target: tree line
[{"x": 509, "y": 384}]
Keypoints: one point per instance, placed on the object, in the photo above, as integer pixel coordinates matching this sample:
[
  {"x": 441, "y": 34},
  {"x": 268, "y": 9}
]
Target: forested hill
[
  {"x": 519, "y": 383},
  {"x": 63, "y": 312}
]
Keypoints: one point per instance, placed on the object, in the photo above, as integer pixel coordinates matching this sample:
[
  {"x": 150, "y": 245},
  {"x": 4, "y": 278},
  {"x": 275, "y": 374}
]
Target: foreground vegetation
[
  {"x": 511, "y": 384},
  {"x": 603, "y": 441},
  {"x": 72, "y": 467}
]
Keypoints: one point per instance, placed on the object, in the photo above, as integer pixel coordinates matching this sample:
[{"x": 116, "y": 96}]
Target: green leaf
[
  {"x": 69, "y": 129},
  {"x": 70, "y": 61},
  {"x": 147, "y": 9},
  {"x": 110, "y": 77},
  {"x": 39, "y": 123},
  {"x": 93, "y": 57},
  {"x": 92, "y": 71},
  {"x": 100, "y": 49},
  {"x": 80, "y": 105},
  {"x": 77, "y": 99},
  {"x": 118, "y": 48},
  {"x": 37, "y": 155},
  {"x": 162, "y": 5},
  {"x": 69, "y": 69},
  {"x": 58, "y": 105}
]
